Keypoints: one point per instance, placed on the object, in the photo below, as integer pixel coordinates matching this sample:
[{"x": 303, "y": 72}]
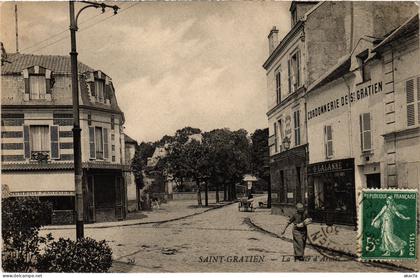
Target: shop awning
[{"x": 39, "y": 183}]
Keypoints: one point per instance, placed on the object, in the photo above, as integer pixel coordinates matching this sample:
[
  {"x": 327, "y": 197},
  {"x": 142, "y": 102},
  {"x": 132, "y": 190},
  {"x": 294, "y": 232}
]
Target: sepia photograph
[{"x": 210, "y": 137}]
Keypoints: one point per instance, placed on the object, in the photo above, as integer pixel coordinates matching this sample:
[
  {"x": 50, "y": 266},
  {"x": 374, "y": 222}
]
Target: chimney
[{"x": 273, "y": 39}]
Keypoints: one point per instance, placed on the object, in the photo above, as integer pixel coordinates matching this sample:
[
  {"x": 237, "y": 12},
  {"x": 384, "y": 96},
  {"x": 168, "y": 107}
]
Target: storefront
[
  {"x": 331, "y": 190},
  {"x": 288, "y": 180}
]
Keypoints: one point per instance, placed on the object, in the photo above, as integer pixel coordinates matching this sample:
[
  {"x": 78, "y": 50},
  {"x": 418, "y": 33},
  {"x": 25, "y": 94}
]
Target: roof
[
  {"x": 56, "y": 63},
  {"x": 128, "y": 139},
  {"x": 339, "y": 69},
  {"x": 409, "y": 26}
]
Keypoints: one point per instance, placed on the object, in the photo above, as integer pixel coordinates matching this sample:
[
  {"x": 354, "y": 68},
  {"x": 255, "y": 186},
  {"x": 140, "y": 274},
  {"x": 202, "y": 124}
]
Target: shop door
[
  {"x": 119, "y": 198},
  {"x": 90, "y": 215}
]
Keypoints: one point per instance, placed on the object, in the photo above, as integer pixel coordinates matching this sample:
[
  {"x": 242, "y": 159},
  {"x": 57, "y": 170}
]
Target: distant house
[
  {"x": 37, "y": 143},
  {"x": 133, "y": 193}
]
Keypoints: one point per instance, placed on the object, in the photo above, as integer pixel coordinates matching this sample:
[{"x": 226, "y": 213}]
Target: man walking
[{"x": 300, "y": 232}]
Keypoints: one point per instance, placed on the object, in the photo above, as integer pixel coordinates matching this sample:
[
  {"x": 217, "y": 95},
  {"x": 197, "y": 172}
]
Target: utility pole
[
  {"x": 17, "y": 29},
  {"x": 77, "y": 150}
]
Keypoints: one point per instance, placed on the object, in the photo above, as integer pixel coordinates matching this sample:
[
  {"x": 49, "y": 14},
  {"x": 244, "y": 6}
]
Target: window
[
  {"x": 39, "y": 138},
  {"x": 37, "y": 87},
  {"x": 364, "y": 68},
  {"x": 113, "y": 148},
  {"x": 89, "y": 118},
  {"x": 99, "y": 90},
  {"x": 294, "y": 72},
  {"x": 112, "y": 122},
  {"x": 413, "y": 104},
  {"x": 281, "y": 132},
  {"x": 365, "y": 132},
  {"x": 278, "y": 87},
  {"x": 112, "y": 137},
  {"x": 99, "y": 143},
  {"x": 296, "y": 119},
  {"x": 328, "y": 141},
  {"x": 276, "y": 139}
]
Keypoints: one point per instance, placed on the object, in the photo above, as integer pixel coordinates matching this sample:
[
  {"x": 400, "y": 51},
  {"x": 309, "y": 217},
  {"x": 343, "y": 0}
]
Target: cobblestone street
[{"x": 187, "y": 245}]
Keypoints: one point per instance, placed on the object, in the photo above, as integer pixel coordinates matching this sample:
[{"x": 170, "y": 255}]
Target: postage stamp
[{"x": 388, "y": 224}]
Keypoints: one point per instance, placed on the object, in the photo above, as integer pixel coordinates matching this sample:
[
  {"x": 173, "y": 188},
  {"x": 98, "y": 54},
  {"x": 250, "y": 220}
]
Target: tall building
[
  {"x": 320, "y": 36},
  {"x": 37, "y": 142}
]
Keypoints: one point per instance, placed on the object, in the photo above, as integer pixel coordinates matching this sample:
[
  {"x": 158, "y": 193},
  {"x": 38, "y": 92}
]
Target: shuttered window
[
  {"x": 413, "y": 101},
  {"x": 276, "y": 137},
  {"x": 55, "y": 149},
  {"x": 39, "y": 138},
  {"x": 328, "y": 141},
  {"x": 409, "y": 90},
  {"x": 296, "y": 120},
  {"x": 365, "y": 132},
  {"x": 92, "y": 151},
  {"x": 278, "y": 87},
  {"x": 99, "y": 88}
]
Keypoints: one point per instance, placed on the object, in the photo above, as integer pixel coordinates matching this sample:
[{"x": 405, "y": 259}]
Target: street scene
[{"x": 172, "y": 137}]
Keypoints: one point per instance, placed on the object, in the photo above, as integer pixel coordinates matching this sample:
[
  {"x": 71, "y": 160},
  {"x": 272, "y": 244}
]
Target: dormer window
[
  {"x": 99, "y": 90},
  {"x": 37, "y": 87},
  {"x": 363, "y": 67},
  {"x": 38, "y": 83}
]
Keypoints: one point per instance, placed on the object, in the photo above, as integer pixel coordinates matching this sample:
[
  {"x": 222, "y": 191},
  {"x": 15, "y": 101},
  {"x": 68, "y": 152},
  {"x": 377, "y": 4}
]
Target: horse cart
[{"x": 246, "y": 204}]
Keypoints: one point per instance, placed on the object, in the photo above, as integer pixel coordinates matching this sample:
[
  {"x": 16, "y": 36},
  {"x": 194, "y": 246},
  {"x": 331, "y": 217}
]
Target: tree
[
  {"x": 228, "y": 158},
  {"x": 260, "y": 159},
  {"x": 143, "y": 152},
  {"x": 188, "y": 159}
]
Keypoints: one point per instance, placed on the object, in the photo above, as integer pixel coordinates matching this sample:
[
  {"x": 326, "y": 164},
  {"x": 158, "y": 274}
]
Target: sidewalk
[
  {"x": 173, "y": 210},
  {"x": 342, "y": 239}
]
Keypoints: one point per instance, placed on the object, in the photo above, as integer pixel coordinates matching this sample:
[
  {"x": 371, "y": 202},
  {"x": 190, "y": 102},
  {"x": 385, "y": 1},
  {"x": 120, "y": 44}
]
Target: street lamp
[{"x": 77, "y": 151}]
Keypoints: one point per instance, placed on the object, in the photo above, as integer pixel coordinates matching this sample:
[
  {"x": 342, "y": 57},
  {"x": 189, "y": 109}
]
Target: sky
[{"x": 173, "y": 64}]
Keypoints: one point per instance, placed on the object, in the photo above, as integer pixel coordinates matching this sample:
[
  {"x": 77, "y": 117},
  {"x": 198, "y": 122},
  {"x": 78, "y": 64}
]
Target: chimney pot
[{"x": 273, "y": 39}]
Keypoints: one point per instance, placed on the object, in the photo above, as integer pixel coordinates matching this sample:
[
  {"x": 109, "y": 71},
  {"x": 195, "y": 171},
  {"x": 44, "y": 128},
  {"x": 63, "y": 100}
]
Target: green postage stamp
[{"x": 388, "y": 224}]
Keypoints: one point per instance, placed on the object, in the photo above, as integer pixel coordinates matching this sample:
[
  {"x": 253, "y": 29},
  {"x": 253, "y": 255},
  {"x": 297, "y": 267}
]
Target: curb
[
  {"x": 352, "y": 256},
  {"x": 140, "y": 223}
]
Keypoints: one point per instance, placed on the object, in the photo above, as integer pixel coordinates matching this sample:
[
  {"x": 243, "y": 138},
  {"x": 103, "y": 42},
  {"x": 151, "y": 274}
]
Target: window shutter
[
  {"x": 298, "y": 68},
  {"x": 409, "y": 89},
  {"x": 289, "y": 77},
  {"x": 92, "y": 142},
  {"x": 275, "y": 137},
  {"x": 26, "y": 141},
  {"x": 329, "y": 141},
  {"x": 106, "y": 145},
  {"x": 55, "y": 151},
  {"x": 418, "y": 100}
]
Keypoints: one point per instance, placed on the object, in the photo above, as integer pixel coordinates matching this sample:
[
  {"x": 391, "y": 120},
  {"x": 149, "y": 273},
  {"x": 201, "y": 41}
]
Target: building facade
[
  {"x": 37, "y": 143},
  {"x": 352, "y": 128},
  {"x": 321, "y": 35}
]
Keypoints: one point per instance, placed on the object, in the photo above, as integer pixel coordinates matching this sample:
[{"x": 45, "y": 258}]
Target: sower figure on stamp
[
  {"x": 300, "y": 232},
  {"x": 385, "y": 221}
]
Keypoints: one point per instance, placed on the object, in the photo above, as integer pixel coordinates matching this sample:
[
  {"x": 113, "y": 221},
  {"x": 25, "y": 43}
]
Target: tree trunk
[
  {"x": 225, "y": 192},
  {"x": 206, "y": 195},
  {"x": 217, "y": 193},
  {"x": 200, "y": 203}
]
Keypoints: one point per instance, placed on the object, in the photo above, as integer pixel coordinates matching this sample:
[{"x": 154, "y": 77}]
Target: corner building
[
  {"x": 37, "y": 139},
  {"x": 321, "y": 34}
]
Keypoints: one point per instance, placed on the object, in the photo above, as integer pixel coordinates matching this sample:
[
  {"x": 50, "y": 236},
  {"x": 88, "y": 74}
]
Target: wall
[
  {"x": 337, "y": 118},
  {"x": 326, "y": 37}
]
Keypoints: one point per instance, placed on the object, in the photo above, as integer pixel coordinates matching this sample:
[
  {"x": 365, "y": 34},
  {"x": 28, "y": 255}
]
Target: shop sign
[
  {"x": 331, "y": 166},
  {"x": 359, "y": 94},
  {"x": 41, "y": 193}
]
